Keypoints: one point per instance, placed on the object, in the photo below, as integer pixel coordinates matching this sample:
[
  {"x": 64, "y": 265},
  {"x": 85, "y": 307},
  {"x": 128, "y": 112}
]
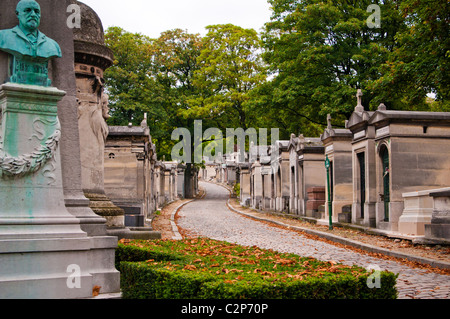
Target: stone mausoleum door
[
  {"x": 384, "y": 154},
  {"x": 362, "y": 181}
]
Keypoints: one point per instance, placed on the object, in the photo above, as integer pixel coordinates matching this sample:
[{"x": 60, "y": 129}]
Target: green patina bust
[{"x": 29, "y": 48}]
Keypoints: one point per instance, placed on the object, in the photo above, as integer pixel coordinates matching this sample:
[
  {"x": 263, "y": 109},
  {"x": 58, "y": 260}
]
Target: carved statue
[
  {"x": 30, "y": 48},
  {"x": 97, "y": 119},
  {"x": 92, "y": 115}
]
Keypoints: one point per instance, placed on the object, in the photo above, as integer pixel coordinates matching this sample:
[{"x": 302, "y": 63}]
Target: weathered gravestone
[{"x": 44, "y": 251}]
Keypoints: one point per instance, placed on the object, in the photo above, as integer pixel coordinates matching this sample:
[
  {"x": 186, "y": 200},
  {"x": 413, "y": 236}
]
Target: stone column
[{"x": 92, "y": 58}]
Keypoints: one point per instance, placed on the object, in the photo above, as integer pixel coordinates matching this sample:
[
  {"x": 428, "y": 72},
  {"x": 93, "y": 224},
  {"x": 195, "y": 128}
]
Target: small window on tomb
[
  {"x": 425, "y": 129},
  {"x": 112, "y": 155}
]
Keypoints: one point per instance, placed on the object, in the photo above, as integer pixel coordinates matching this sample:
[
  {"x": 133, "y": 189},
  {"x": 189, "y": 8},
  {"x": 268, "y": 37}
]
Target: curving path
[{"x": 210, "y": 217}]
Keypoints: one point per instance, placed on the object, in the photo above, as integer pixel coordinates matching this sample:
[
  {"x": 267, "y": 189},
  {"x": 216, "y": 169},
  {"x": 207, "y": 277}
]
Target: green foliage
[
  {"x": 419, "y": 63},
  {"x": 152, "y": 76},
  {"x": 237, "y": 189},
  {"x": 321, "y": 52},
  {"x": 204, "y": 268},
  {"x": 310, "y": 60},
  {"x": 230, "y": 66}
]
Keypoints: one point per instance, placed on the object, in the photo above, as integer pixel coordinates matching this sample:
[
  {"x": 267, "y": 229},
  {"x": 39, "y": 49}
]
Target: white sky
[{"x": 151, "y": 17}]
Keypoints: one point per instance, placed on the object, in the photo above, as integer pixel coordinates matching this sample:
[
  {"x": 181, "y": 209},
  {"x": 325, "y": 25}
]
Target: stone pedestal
[
  {"x": 316, "y": 198},
  {"x": 418, "y": 207},
  {"x": 34, "y": 267},
  {"x": 31, "y": 190},
  {"x": 40, "y": 240},
  {"x": 439, "y": 229}
]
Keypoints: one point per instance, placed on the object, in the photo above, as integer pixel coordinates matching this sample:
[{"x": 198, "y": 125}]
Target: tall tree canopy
[
  {"x": 309, "y": 61},
  {"x": 152, "y": 76},
  {"x": 320, "y": 53},
  {"x": 230, "y": 67},
  {"x": 419, "y": 64}
]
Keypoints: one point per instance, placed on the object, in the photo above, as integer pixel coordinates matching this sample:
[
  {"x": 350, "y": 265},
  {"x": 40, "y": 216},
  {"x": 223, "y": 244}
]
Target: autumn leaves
[{"x": 205, "y": 268}]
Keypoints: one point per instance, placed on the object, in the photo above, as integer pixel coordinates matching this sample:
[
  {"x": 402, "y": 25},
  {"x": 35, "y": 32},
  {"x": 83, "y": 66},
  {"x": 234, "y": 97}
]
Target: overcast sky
[{"x": 151, "y": 17}]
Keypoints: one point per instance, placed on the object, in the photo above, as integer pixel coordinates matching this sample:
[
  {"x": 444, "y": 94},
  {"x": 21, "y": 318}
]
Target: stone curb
[
  {"x": 352, "y": 243},
  {"x": 177, "y": 235},
  {"x": 349, "y": 242}
]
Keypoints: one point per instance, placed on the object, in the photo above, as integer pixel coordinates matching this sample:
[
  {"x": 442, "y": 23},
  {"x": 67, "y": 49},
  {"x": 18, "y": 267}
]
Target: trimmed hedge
[{"x": 209, "y": 269}]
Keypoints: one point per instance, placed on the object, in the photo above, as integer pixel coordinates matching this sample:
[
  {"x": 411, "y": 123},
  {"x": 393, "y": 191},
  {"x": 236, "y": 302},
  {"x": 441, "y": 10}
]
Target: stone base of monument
[
  {"x": 44, "y": 252},
  {"x": 101, "y": 259},
  {"x": 102, "y": 252},
  {"x": 42, "y": 268},
  {"x": 57, "y": 269},
  {"x": 115, "y": 219},
  {"x": 104, "y": 207},
  {"x": 438, "y": 232}
]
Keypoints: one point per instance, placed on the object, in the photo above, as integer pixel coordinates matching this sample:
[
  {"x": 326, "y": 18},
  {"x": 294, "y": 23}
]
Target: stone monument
[
  {"x": 129, "y": 165},
  {"x": 438, "y": 231},
  {"x": 338, "y": 148},
  {"x": 92, "y": 58},
  {"x": 44, "y": 251}
]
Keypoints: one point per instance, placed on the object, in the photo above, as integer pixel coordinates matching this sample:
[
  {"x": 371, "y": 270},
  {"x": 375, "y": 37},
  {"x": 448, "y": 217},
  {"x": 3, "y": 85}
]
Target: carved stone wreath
[{"x": 33, "y": 162}]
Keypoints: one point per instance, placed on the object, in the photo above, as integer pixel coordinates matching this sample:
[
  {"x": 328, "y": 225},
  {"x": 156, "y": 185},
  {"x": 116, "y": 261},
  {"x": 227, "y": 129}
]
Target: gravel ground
[{"x": 210, "y": 217}]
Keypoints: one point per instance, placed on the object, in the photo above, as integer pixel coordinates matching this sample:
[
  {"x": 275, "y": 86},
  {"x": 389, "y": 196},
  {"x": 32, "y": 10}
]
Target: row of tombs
[
  {"x": 135, "y": 180},
  {"x": 389, "y": 172}
]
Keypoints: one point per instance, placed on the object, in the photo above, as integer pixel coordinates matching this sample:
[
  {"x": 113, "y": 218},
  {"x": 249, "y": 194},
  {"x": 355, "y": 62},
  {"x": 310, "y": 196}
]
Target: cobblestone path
[{"x": 210, "y": 217}]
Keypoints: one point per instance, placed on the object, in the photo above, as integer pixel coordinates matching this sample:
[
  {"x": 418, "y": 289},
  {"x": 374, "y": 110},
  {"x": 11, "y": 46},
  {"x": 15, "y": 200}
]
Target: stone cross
[
  {"x": 144, "y": 121},
  {"x": 359, "y": 97},
  {"x": 329, "y": 122},
  {"x": 359, "y": 107}
]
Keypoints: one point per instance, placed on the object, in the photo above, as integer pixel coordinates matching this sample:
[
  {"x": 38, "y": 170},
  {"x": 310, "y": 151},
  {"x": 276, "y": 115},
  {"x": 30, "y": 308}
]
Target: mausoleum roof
[
  {"x": 407, "y": 116},
  {"x": 358, "y": 119},
  {"x": 336, "y": 132},
  {"x": 128, "y": 130}
]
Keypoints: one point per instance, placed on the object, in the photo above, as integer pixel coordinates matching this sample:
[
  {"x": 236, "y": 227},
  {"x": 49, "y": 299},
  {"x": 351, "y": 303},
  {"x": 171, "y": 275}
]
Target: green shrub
[
  {"x": 208, "y": 269},
  {"x": 237, "y": 189}
]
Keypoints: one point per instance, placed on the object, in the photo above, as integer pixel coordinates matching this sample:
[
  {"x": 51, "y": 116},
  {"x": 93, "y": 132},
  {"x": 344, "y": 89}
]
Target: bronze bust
[{"x": 30, "y": 48}]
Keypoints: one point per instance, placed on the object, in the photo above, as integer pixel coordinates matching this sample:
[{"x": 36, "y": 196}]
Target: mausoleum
[{"x": 338, "y": 148}]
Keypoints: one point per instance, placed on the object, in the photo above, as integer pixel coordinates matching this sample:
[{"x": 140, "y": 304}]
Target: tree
[
  {"x": 176, "y": 61},
  {"x": 152, "y": 76},
  {"x": 230, "y": 67},
  {"x": 419, "y": 64},
  {"x": 128, "y": 80},
  {"x": 320, "y": 53}
]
